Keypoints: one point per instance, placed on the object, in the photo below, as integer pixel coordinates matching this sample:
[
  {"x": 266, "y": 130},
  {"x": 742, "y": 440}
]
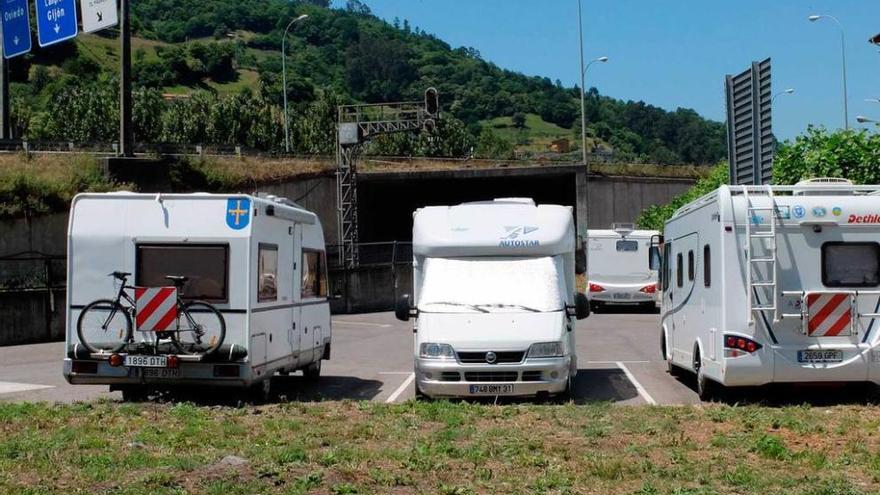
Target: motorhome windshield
[{"x": 492, "y": 285}]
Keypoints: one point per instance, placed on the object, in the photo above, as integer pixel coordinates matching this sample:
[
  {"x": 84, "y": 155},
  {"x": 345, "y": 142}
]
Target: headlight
[
  {"x": 436, "y": 351},
  {"x": 545, "y": 350}
]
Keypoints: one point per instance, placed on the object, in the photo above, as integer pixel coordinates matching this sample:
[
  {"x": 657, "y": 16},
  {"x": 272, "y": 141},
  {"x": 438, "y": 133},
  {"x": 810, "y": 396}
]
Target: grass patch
[{"x": 439, "y": 447}]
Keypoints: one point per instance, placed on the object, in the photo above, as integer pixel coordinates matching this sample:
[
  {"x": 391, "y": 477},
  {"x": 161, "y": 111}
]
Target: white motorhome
[
  {"x": 774, "y": 284},
  {"x": 259, "y": 260},
  {"x": 618, "y": 269},
  {"x": 495, "y": 300}
]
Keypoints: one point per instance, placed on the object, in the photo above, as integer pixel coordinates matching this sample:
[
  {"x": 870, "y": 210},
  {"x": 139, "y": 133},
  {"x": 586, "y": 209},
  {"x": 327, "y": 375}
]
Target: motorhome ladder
[{"x": 761, "y": 233}]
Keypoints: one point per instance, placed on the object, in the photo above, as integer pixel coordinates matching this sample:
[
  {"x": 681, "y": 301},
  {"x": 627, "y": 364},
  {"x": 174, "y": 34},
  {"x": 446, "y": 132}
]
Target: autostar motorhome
[
  {"x": 495, "y": 299},
  {"x": 619, "y": 272},
  {"x": 260, "y": 261},
  {"x": 774, "y": 284}
]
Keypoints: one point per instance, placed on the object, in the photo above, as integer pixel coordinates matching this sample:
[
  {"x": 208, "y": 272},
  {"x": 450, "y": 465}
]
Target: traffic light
[{"x": 432, "y": 102}]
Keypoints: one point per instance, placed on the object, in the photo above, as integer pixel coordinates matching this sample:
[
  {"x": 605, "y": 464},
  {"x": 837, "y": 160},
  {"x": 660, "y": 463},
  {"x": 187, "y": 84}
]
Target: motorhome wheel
[{"x": 313, "y": 371}]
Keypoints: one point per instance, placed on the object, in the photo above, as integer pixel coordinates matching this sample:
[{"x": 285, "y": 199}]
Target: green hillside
[{"x": 221, "y": 58}]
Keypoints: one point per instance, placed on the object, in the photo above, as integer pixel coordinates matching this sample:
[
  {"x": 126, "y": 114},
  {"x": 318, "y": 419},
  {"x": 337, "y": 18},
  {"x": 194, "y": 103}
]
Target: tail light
[
  {"x": 596, "y": 288},
  {"x": 116, "y": 360},
  {"x": 649, "y": 289},
  {"x": 737, "y": 346},
  {"x": 173, "y": 362}
]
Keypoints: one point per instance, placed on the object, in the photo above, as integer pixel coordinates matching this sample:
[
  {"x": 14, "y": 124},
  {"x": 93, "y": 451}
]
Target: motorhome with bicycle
[
  {"x": 774, "y": 284},
  {"x": 495, "y": 301},
  {"x": 618, "y": 270},
  {"x": 193, "y": 290}
]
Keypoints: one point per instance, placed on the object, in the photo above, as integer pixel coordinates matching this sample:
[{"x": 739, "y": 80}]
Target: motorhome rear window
[
  {"x": 851, "y": 264},
  {"x": 314, "y": 275},
  {"x": 627, "y": 246},
  {"x": 267, "y": 269},
  {"x": 206, "y": 267}
]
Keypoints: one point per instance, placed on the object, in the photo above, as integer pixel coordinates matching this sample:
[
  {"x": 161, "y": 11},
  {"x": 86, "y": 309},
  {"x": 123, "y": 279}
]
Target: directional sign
[
  {"x": 56, "y": 21},
  {"x": 98, "y": 14},
  {"x": 16, "y": 28}
]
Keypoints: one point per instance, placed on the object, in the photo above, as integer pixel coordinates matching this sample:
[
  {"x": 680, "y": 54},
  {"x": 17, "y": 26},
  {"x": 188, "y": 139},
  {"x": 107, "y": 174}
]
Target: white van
[
  {"x": 259, "y": 261},
  {"x": 618, "y": 269},
  {"x": 774, "y": 284},
  {"x": 495, "y": 299}
]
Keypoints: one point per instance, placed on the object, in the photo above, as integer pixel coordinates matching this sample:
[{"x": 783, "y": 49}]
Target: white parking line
[
  {"x": 362, "y": 324},
  {"x": 393, "y": 397},
  {"x": 617, "y": 362},
  {"x": 639, "y": 388},
  {"x": 12, "y": 388}
]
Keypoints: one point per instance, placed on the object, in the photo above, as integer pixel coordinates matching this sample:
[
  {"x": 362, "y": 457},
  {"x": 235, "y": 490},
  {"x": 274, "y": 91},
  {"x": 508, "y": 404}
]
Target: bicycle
[{"x": 105, "y": 325}]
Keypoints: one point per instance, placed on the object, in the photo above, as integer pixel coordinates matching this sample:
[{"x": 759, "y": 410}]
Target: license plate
[
  {"x": 160, "y": 373},
  {"x": 146, "y": 361},
  {"x": 621, "y": 295},
  {"x": 491, "y": 389},
  {"x": 820, "y": 356}
]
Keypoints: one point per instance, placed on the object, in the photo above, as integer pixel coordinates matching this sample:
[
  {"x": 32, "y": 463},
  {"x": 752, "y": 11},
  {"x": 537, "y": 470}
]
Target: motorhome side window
[
  {"x": 205, "y": 266},
  {"x": 690, "y": 266},
  {"x": 851, "y": 264},
  {"x": 314, "y": 275},
  {"x": 679, "y": 267},
  {"x": 624, "y": 246},
  {"x": 707, "y": 266},
  {"x": 267, "y": 270},
  {"x": 667, "y": 266}
]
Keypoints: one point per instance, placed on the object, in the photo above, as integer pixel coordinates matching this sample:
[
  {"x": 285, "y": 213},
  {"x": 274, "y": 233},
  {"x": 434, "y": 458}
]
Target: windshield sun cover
[{"x": 492, "y": 285}]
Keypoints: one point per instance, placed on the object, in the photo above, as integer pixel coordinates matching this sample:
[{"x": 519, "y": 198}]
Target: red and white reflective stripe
[
  {"x": 830, "y": 314},
  {"x": 156, "y": 308}
]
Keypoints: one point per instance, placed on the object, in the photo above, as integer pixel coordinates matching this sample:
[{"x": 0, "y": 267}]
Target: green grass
[
  {"x": 361, "y": 447},
  {"x": 536, "y": 136}
]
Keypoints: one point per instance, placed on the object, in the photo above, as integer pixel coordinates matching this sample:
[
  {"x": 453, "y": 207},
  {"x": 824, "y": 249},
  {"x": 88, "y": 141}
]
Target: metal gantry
[{"x": 358, "y": 124}]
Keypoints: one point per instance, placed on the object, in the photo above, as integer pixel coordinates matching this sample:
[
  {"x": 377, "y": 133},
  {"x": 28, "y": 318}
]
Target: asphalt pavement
[{"x": 372, "y": 360}]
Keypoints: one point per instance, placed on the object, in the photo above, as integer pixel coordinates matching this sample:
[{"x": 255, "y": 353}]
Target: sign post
[
  {"x": 126, "y": 128},
  {"x": 98, "y": 14},
  {"x": 56, "y": 21}
]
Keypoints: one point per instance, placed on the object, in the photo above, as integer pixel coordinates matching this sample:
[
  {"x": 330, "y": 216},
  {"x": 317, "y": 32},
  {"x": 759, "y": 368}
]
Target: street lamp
[
  {"x": 865, "y": 120},
  {"x": 583, "y": 100},
  {"x": 814, "y": 18},
  {"x": 872, "y": 100},
  {"x": 785, "y": 92},
  {"x": 284, "y": 77}
]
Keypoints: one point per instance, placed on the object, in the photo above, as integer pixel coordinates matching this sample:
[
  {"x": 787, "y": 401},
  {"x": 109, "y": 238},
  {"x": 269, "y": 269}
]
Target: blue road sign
[
  {"x": 56, "y": 21},
  {"x": 16, "y": 28}
]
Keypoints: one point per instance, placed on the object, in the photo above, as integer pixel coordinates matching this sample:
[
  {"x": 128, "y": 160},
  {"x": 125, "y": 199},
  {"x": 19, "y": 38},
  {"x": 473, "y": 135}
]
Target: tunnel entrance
[{"x": 387, "y": 201}]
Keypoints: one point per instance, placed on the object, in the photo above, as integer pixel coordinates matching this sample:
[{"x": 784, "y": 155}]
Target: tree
[
  {"x": 519, "y": 120},
  {"x": 853, "y": 155},
  {"x": 655, "y": 217}
]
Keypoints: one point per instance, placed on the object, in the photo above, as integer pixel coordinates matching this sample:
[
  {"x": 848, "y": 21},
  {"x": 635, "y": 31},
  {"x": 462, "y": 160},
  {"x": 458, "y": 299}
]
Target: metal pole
[
  {"x": 284, "y": 81},
  {"x": 583, "y": 97},
  {"x": 845, "y": 92},
  {"x": 126, "y": 131},
  {"x": 5, "y": 131}
]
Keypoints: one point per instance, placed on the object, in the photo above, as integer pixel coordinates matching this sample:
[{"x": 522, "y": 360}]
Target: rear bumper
[
  {"x": 186, "y": 375},
  {"x": 779, "y": 364},
  {"x": 544, "y": 376},
  {"x": 622, "y": 296}
]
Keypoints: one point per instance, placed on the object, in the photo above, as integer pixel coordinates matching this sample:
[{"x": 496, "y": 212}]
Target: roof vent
[
  {"x": 814, "y": 187},
  {"x": 517, "y": 201},
  {"x": 623, "y": 229}
]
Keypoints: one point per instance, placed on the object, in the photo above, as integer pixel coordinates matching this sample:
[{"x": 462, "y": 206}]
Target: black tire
[
  {"x": 707, "y": 389},
  {"x": 206, "y": 319},
  {"x": 135, "y": 393},
  {"x": 104, "y": 326},
  {"x": 312, "y": 372},
  {"x": 260, "y": 392}
]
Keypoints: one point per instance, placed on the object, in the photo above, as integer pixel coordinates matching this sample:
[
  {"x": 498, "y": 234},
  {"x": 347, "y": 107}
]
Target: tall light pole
[
  {"x": 784, "y": 92},
  {"x": 814, "y": 18},
  {"x": 284, "y": 78}
]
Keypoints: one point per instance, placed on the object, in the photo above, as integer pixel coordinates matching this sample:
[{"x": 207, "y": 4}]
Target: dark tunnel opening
[{"x": 386, "y": 205}]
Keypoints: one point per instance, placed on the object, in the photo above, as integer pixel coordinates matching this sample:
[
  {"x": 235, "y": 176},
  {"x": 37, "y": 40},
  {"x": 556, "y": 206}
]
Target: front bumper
[{"x": 435, "y": 378}]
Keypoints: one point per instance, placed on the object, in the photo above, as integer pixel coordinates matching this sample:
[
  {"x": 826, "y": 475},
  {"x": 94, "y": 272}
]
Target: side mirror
[
  {"x": 654, "y": 258},
  {"x": 581, "y": 306},
  {"x": 403, "y": 309}
]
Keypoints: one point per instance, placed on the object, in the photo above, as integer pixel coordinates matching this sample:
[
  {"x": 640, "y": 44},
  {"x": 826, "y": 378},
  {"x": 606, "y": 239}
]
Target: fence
[
  {"x": 384, "y": 273},
  {"x": 32, "y": 294}
]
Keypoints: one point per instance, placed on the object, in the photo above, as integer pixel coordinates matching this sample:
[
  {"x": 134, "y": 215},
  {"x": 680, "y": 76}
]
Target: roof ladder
[{"x": 761, "y": 252}]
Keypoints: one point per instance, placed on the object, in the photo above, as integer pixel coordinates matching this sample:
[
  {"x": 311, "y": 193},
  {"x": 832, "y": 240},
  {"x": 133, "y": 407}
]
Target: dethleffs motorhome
[
  {"x": 495, "y": 300},
  {"x": 774, "y": 284},
  {"x": 260, "y": 261},
  {"x": 618, "y": 269}
]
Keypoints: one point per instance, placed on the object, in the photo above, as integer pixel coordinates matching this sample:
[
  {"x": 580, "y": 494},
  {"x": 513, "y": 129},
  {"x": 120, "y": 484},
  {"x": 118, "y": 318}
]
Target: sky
[{"x": 675, "y": 53}]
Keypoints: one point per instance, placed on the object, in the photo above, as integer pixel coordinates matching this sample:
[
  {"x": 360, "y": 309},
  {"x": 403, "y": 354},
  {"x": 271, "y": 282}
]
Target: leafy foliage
[
  {"x": 854, "y": 155},
  {"x": 655, "y": 217}
]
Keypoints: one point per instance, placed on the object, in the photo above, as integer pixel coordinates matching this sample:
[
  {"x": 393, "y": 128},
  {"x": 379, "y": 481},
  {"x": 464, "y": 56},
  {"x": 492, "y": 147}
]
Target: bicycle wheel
[
  {"x": 104, "y": 326},
  {"x": 202, "y": 329}
]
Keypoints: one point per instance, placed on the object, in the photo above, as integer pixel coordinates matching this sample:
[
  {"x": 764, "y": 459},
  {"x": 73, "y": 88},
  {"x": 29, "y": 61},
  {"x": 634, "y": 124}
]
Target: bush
[
  {"x": 853, "y": 155},
  {"x": 655, "y": 217}
]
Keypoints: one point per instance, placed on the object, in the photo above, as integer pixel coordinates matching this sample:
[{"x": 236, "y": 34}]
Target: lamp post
[
  {"x": 284, "y": 78},
  {"x": 777, "y": 95},
  {"x": 865, "y": 120},
  {"x": 814, "y": 18}
]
